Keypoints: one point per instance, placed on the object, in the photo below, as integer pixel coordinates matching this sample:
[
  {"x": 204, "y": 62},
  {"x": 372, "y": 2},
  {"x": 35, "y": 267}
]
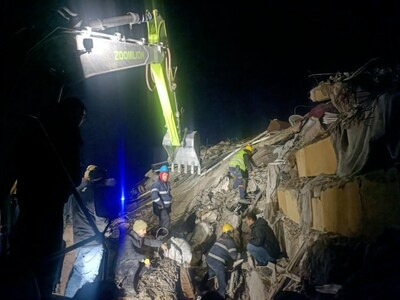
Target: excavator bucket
[{"x": 185, "y": 156}]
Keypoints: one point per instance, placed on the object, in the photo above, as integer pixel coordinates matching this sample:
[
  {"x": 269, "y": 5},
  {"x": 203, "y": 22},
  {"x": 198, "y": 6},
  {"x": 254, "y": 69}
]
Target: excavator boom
[{"x": 93, "y": 53}]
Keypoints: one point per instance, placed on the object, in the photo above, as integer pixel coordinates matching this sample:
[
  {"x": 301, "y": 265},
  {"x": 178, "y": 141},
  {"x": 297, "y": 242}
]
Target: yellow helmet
[
  {"x": 249, "y": 147},
  {"x": 227, "y": 228}
]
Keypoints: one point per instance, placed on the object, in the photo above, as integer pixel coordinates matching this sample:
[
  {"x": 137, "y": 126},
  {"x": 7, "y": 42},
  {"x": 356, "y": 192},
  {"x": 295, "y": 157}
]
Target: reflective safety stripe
[
  {"x": 155, "y": 190},
  {"x": 225, "y": 248},
  {"x": 163, "y": 192},
  {"x": 216, "y": 257},
  {"x": 167, "y": 202},
  {"x": 156, "y": 200},
  {"x": 221, "y": 245}
]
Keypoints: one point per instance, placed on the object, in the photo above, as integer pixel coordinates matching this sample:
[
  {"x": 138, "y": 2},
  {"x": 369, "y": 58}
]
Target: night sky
[{"x": 239, "y": 66}]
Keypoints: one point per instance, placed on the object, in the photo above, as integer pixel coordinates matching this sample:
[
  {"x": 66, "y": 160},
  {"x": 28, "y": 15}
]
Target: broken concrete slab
[{"x": 316, "y": 159}]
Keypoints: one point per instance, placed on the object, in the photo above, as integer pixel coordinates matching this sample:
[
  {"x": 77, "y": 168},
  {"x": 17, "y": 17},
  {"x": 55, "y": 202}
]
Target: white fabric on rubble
[
  {"x": 311, "y": 130},
  {"x": 180, "y": 251}
]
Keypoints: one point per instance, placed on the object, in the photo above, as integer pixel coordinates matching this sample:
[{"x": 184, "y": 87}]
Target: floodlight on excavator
[{"x": 85, "y": 52}]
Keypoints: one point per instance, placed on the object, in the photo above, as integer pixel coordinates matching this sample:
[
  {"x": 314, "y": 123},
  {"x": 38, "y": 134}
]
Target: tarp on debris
[{"x": 372, "y": 138}]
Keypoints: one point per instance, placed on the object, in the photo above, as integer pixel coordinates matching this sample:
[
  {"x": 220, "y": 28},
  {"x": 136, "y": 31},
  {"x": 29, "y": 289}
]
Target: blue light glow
[{"x": 121, "y": 162}]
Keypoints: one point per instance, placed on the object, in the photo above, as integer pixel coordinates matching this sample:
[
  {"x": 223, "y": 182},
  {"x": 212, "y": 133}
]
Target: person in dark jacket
[
  {"x": 222, "y": 254},
  {"x": 47, "y": 162},
  {"x": 263, "y": 245},
  {"x": 239, "y": 167},
  {"x": 162, "y": 198},
  {"x": 132, "y": 258},
  {"x": 88, "y": 256}
]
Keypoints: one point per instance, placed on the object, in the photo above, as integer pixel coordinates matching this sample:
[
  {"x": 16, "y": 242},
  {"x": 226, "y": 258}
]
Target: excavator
[
  {"x": 84, "y": 51},
  {"x": 81, "y": 51}
]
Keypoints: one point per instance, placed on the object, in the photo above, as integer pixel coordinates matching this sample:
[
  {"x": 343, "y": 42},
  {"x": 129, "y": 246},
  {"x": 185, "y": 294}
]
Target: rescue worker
[
  {"x": 88, "y": 256},
  {"x": 239, "y": 167},
  {"x": 263, "y": 245},
  {"x": 131, "y": 257},
  {"x": 221, "y": 255},
  {"x": 162, "y": 199}
]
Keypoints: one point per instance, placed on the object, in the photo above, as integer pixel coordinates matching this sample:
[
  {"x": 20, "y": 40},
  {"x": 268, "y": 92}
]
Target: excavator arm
[
  {"x": 163, "y": 79},
  {"x": 84, "y": 53}
]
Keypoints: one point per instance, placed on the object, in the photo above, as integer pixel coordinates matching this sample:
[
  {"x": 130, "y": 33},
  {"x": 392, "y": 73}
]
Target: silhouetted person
[
  {"x": 89, "y": 255},
  {"x": 43, "y": 187}
]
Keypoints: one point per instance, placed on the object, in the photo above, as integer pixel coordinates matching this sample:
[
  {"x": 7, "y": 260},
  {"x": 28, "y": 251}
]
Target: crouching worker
[
  {"x": 132, "y": 259},
  {"x": 263, "y": 245},
  {"x": 221, "y": 255}
]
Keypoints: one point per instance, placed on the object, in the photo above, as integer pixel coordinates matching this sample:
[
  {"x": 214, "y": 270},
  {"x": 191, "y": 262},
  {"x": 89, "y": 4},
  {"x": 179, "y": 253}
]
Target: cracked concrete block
[
  {"x": 287, "y": 200},
  {"x": 252, "y": 186},
  {"x": 209, "y": 217},
  {"x": 338, "y": 209},
  {"x": 230, "y": 218},
  {"x": 224, "y": 185},
  {"x": 202, "y": 232},
  {"x": 257, "y": 289},
  {"x": 316, "y": 159}
]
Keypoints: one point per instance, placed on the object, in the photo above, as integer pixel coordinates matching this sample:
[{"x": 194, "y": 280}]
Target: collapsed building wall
[{"x": 331, "y": 171}]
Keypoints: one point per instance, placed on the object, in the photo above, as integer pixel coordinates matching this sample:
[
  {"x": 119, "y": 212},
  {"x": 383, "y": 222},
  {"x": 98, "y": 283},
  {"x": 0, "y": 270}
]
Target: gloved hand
[{"x": 147, "y": 262}]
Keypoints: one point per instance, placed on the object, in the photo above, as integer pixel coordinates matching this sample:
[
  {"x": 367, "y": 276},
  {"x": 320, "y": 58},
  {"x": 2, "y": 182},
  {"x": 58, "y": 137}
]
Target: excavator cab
[{"x": 84, "y": 51}]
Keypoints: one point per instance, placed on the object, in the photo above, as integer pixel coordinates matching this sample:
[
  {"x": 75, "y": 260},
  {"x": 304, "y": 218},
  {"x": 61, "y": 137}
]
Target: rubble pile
[
  {"x": 160, "y": 283},
  {"x": 330, "y": 175},
  {"x": 314, "y": 176},
  {"x": 318, "y": 175}
]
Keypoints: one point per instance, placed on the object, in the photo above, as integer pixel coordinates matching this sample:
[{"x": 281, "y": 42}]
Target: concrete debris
[
  {"x": 201, "y": 233},
  {"x": 160, "y": 283},
  {"x": 257, "y": 287},
  {"x": 277, "y": 125},
  {"x": 210, "y": 217},
  {"x": 286, "y": 198}
]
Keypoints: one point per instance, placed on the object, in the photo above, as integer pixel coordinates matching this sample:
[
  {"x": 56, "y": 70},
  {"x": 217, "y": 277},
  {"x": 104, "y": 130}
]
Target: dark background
[{"x": 240, "y": 65}]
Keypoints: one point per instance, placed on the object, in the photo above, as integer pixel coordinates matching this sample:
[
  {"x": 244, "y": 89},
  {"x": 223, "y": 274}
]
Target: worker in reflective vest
[
  {"x": 162, "y": 199},
  {"x": 239, "y": 167}
]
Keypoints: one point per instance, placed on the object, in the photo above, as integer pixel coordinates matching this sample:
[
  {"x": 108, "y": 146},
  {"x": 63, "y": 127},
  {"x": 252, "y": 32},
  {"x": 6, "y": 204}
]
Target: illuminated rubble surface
[
  {"x": 202, "y": 204},
  {"x": 325, "y": 221}
]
